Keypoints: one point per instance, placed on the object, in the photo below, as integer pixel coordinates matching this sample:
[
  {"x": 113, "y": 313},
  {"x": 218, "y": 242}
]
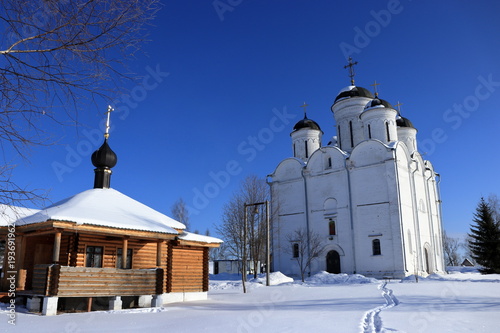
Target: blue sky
[{"x": 224, "y": 83}]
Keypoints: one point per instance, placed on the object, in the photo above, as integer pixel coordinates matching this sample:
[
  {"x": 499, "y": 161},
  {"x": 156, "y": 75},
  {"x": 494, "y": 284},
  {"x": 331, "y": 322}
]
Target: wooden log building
[{"x": 102, "y": 243}]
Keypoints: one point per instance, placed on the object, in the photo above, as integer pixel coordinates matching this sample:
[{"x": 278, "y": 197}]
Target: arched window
[
  {"x": 294, "y": 151},
  {"x": 376, "y": 247},
  {"x": 295, "y": 249},
  {"x": 352, "y": 136},
  {"x": 331, "y": 228},
  {"x": 307, "y": 152},
  {"x": 369, "y": 131},
  {"x": 387, "y": 131}
]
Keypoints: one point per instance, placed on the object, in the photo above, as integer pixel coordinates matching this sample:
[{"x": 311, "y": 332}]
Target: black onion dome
[
  {"x": 306, "y": 123},
  {"x": 378, "y": 102},
  {"x": 104, "y": 156},
  {"x": 353, "y": 91},
  {"x": 404, "y": 122}
]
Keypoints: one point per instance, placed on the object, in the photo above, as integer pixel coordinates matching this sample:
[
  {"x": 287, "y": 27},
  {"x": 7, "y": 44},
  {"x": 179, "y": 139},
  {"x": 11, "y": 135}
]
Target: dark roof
[
  {"x": 378, "y": 102},
  {"x": 404, "y": 122},
  {"x": 104, "y": 156},
  {"x": 354, "y": 92},
  {"x": 306, "y": 123}
]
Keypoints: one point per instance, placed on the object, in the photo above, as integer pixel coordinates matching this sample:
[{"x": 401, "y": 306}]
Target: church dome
[
  {"x": 353, "y": 91},
  {"x": 404, "y": 122},
  {"x": 377, "y": 102},
  {"x": 104, "y": 157},
  {"x": 306, "y": 123}
]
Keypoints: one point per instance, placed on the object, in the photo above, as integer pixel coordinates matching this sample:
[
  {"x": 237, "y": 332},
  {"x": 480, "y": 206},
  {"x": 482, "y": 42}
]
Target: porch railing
[{"x": 66, "y": 281}]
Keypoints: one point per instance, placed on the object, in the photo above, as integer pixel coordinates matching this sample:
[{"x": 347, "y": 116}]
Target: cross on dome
[
  {"x": 110, "y": 109},
  {"x": 304, "y": 106},
  {"x": 350, "y": 65},
  {"x": 374, "y": 85}
]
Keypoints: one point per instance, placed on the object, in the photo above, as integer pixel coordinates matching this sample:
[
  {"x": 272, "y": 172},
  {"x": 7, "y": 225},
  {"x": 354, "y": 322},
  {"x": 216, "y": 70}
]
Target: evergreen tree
[{"x": 484, "y": 240}]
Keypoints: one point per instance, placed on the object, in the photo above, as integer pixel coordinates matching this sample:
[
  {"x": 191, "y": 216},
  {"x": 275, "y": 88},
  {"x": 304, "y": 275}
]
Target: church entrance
[{"x": 333, "y": 262}]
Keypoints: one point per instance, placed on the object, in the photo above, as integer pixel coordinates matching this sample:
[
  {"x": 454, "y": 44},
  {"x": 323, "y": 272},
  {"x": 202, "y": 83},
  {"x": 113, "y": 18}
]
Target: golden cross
[
  {"x": 374, "y": 85},
  {"x": 398, "y": 105},
  {"x": 305, "y": 109},
  {"x": 351, "y": 69},
  {"x": 110, "y": 109}
]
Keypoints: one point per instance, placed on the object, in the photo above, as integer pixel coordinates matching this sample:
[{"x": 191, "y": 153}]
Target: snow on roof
[
  {"x": 106, "y": 207},
  {"x": 10, "y": 214},
  {"x": 189, "y": 236}
]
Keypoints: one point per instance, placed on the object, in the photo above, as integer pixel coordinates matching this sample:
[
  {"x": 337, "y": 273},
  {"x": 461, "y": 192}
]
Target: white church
[{"x": 368, "y": 195}]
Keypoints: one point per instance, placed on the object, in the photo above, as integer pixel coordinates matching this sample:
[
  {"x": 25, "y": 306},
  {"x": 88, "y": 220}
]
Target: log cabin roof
[
  {"x": 106, "y": 207},
  {"x": 10, "y": 214}
]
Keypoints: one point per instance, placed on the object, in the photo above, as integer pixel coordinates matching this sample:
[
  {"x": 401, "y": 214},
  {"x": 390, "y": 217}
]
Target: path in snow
[{"x": 371, "y": 322}]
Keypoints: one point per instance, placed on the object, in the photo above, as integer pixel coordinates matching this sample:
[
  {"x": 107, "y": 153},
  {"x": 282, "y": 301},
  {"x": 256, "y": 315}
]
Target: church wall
[
  {"x": 287, "y": 216},
  {"x": 331, "y": 186},
  {"x": 409, "y": 231}
]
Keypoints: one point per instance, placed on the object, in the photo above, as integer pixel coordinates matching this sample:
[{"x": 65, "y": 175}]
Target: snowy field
[{"x": 459, "y": 302}]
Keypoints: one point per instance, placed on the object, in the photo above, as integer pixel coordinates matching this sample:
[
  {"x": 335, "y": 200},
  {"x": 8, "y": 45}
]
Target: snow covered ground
[{"x": 463, "y": 301}]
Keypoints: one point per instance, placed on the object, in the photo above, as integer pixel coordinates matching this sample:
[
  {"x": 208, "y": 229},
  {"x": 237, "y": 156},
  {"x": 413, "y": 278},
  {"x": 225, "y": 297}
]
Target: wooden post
[
  {"x": 57, "y": 247},
  {"x": 124, "y": 253},
  {"x": 158, "y": 253},
  {"x": 268, "y": 245},
  {"x": 89, "y": 304}
]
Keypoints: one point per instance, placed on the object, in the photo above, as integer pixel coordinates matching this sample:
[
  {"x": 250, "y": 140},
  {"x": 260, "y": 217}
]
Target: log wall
[{"x": 186, "y": 269}]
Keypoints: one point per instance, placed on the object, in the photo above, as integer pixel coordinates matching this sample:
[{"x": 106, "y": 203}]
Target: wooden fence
[{"x": 66, "y": 281}]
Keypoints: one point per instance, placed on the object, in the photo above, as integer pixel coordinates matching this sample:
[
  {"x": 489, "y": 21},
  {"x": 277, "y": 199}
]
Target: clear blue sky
[{"x": 228, "y": 84}]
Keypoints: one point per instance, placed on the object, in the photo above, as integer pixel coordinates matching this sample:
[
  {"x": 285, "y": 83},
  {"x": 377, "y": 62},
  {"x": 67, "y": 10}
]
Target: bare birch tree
[
  {"x": 304, "y": 248},
  {"x": 451, "y": 247},
  {"x": 53, "y": 54},
  {"x": 252, "y": 190},
  {"x": 180, "y": 212}
]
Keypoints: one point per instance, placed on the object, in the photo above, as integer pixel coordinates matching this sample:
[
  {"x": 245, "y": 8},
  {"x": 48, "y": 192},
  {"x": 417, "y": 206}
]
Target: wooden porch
[{"x": 66, "y": 281}]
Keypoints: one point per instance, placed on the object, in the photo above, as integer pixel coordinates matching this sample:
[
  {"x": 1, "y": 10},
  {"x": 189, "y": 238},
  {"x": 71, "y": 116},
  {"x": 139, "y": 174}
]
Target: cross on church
[
  {"x": 374, "y": 85},
  {"x": 305, "y": 109},
  {"x": 110, "y": 109},
  {"x": 351, "y": 69},
  {"x": 398, "y": 106}
]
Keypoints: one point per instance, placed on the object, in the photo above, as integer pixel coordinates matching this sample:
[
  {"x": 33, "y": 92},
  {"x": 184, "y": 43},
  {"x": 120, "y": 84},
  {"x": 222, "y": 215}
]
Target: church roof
[
  {"x": 106, "y": 207},
  {"x": 378, "y": 102},
  {"x": 404, "y": 122},
  {"x": 306, "y": 123},
  {"x": 104, "y": 156},
  {"x": 353, "y": 91}
]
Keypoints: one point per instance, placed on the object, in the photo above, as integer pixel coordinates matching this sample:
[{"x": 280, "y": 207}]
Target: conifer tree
[{"x": 484, "y": 240}]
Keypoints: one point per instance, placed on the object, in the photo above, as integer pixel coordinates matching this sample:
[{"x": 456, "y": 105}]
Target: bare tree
[
  {"x": 55, "y": 54},
  {"x": 304, "y": 248},
  {"x": 451, "y": 247},
  {"x": 252, "y": 190},
  {"x": 180, "y": 212},
  {"x": 494, "y": 204}
]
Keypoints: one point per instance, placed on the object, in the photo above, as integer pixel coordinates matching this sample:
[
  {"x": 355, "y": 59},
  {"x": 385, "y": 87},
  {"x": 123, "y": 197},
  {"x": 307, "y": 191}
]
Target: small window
[
  {"x": 339, "y": 138},
  {"x": 294, "y": 151},
  {"x": 94, "y": 256},
  {"x": 376, "y": 247},
  {"x": 369, "y": 132},
  {"x": 387, "y": 131},
  {"x": 352, "y": 135},
  {"x": 295, "y": 250},
  {"x": 119, "y": 258},
  {"x": 329, "y": 163},
  {"x": 331, "y": 228},
  {"x": 307, "y": 152}
]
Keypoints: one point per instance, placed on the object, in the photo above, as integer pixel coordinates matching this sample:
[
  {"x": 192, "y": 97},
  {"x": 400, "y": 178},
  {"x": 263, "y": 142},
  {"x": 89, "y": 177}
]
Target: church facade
[{"x": 368, "y": 196}]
